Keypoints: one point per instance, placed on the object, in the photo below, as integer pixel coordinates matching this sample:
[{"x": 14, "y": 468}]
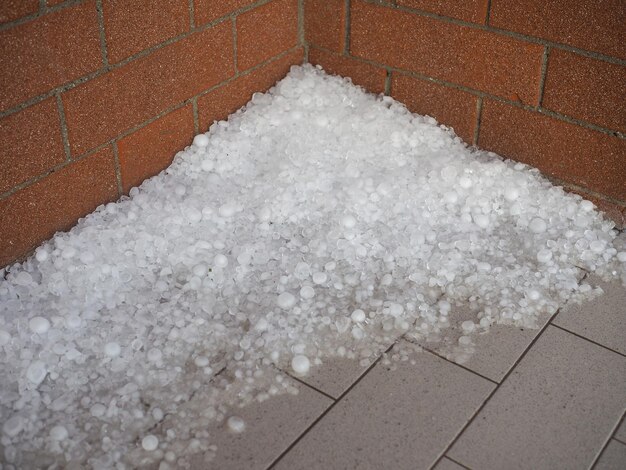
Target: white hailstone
[
  {"x": 465, "y": 340},
  {"x": 157, "y": 414},
  {"x": 220, "y": 261},
  {"x": 465, "y": 182},
  {"x": 180, "y": 190},
  {"x": 358, "y": 316},
  {"x": 357, "y": 333},
  {"x": 481, "y": 220},
  {"x": 261, "y": 325},
  {"x": 13, "y": 426},
  {"x": 154, "y": 355},
  {"x": 286, "y": 300},
  {"x": 300, "y": 364},
  {"x": 200, "y": 270},
  {"x": 587, "y": 206},
  {"x": 201, "y": 361},
  {"x": 58, "y": 433},
  {"x": 227, "y": 210},
  {"x": 537, "y": 225},
  {"x": 36, "y": 372},
  {"x": 150, "y": 442},
  {"x": 320, "y": 277},
  {"x": 112, "y": 349},
  {"x": 302, "y": 270},
  {"x": 236, "y": 424},
  {"x": 5, "y": 338},
  {"x": 193, "y": 215},
  {"x": 307, "y": 292},
  {"x": 511, "y": 193},
  {"x": 534, "y": 294},
  {"x": 621, "y": 256},
  {"x": 468, "y": 326},
  {"x": 41, "y": 255},
  {"x": 73, "y": 321},
  {"x": 97, "y": 410},
  {"x": 544, "y": 255},
  {"x": 39, "y": 325},
  {"x": 597, "y": 246},
  {"x": 451, "y": 197},
  {"x": 348, "y": 221},
  {"x": 23, "y": 279},
  {"x": 207, "y": 164},
  {"x": 68, "y": 252},
  {"x": 201, "y": 140}
]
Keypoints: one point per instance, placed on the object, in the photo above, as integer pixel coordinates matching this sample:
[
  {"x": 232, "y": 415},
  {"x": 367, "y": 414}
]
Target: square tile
[
  {"x": 447, "y": 464},
  {"x": 400, "y": 419},
  {"x": 555, "y": 410},
  {"x": 620, "y": 433},
  {"x": 602, "y": 319},
  {"x": 613, "y": 457}
]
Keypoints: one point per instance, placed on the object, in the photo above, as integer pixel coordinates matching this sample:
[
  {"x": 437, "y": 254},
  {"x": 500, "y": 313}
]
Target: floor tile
[
  {"x": 555, "y": 410},
  {"x": 271, "y": 427},
  {"x": 603, "y": 319},
  {"x": 400, "y": 419},
  {"x": 335, "y": 375},
  {"x": 613, "y": 457},
  {"x": 447, "y": 464},
  {"x": 620, "y": 434}
]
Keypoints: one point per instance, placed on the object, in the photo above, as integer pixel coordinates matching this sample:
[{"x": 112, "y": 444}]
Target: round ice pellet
[
  {"x": 597, "y": 246},
  {"x": 36, "y": 372},
  {"x": 201, "y": 361},
  {"x": 227, "y": 210},
  {"x": 465, "y": 340},
  {"x": 621, "y": 256},
  {"x": 286, "y": 300},
  {"x": 39, "y": 325},
  {"x": 58, "y": 433},
  {"x": 150, "y": 442},
  {"x": 207, "y": 165},
  {"x": 73, "y": 321},
  {"x": 97, "y": 410},
  {"x": 544, "y": 255},
  {"x": 320, "y": 278},
  {"x": 511, "y": 193},
  {"x": 200, "y": 270},
  {"x": 13, "y": 426},
  {"x": 154, "y": 355},
  {"x": 468, "y": 326},
  {"x": 358, "y": 316},
  {"x": 481, "y": 220},
  {"x": 236, "y": 424},
  {"x": 5, "y": 337},
  {"x": 201, "y": 140},
  {"x": 112, "y": 349},
  {"x": 220, "y": 261},
  {"x": 41, "y": 255},
  {"x": 300, "y": 364},
  {"x": 465, "y": 182},
  {"x": 587, "y": 206},
  {"x": 537, "y": 225},
  {"x": 348, "y": 221}
]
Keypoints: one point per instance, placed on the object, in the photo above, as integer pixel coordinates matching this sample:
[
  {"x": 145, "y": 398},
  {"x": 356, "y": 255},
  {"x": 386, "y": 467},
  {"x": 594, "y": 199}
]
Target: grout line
[
  {"x": 493, "y": 392},
  {"x": 457, "y": 462},
  {"x": 619, "y": 440},
  {"x": 488, "y": 13},
  {"x": 479, "y": 114},
  {"x": 192, "y": 15},
  {"x": 435, "y": 353},
  {"x": 347, "y": 28},
  {"x": 327, "y": 410},
  {"x": 607, "y": 442},
  {"x": 42, "y": 5},
  {"x": 196, "y": 120},
  {"x": 234, "y": 24},
  {"x": 103, "y": 43},
  {"x": 587, "y": 339},
  {"x": 301, "y": 25},
  {"x": 388, "y": 83},
  {"x": 42, "y": 11},
  {"x": 118, "y": 170},
  {"x": 544, "y": 73},
  {"x": 64, "y": 133},
  {"x": 308, "y": 385}
]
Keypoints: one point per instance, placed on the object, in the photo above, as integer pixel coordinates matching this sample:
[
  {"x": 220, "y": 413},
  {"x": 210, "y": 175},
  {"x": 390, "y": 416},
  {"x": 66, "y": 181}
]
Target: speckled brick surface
[
  {"x": 474, "y": 11},
  {"x": 325, "y": 23}
]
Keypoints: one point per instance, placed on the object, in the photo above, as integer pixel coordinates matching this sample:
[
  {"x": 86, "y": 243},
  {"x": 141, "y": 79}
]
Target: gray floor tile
[
  {"x": 613, "y": 457},
  {"x": 620, "y": 434},
  {"x": 554, "y": 411},
  {"x": 447, "y": 464},
  {"x": 271, "y": 427},
  {"x": 602, "y": 320},
  {"x": 335, "y": 375},
  {"x": 400, "y": 419}
]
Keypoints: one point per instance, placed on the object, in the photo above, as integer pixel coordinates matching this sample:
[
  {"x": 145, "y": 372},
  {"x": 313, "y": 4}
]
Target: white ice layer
[{"x": 321, "y": 221}]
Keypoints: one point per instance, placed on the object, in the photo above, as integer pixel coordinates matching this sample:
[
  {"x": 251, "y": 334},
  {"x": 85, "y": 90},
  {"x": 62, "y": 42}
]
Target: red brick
[
  {"x": 46, "y": 52},
  {"x": 55, "y": 203},
  {"x": 454, "y": 108},
  {"x": 325, "y": 23},
  {"x": 478, "y": 59},
  {"x": 52, "y": 3},
  {"x": 134, "y": 25},
  {"x": 11, "y": 10},
  {"x": 613, "y": 211},
  {"x": 571, "y": 153},
  {"x": 206, "y": 11},
  {"x": 151, "y": 149},
  {"x": 368, "y": 76},
  {"x": 107, "y": 106},
  {"x": 587, "y": 89},
  {"x": 225, "y": 100},
  {"x": 591, "y": 25},
  {"x": 266, "y": 31},
  {"x": 31, "y": 144},
  {"x": 474, "y": 11}
]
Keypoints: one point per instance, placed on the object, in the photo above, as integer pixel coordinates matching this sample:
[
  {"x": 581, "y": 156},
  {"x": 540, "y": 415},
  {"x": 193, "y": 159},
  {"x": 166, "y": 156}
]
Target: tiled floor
[{"x": 549, "y": 398}]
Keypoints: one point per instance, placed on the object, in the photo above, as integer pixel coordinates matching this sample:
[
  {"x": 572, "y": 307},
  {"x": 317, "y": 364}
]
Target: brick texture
[
  {"x": 368, "y": 76},
  {"x": 454, "y": 108},
  {"x": 225, "y": 100},
  {"x": 31, "y": 144},
  {"x": 209, "y": 10},
  {"x": 571, "y": 153},
  {"x": 11, "y": 10},
  {"x": 266, "y": 31},
  {"x": 587, "y": 89},
  {"x": 53, "y": 204},
  {"x": 151, "y": 149},
  {"x": 47, "y": 52},
  {"x": 52, "y": 3},
  {"x": 486, "y": 61},
  {"x": 597, "y": 25},
  {"x": 325, "y": 23},
  {"x": 113, "y": 103},
  {"x": 474, "y": 11},
  {"x": 134, "y": 25}
]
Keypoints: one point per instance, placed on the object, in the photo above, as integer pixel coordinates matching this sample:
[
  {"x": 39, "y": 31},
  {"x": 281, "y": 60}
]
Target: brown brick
[
  {"x": 613, "y": 211},
  {"x": 587, "y": 89},
  {"x": 474, "y": 11},
  {"x": 266, "y": 31},
  {"x": 31, "y": 144},
  {"x": 591, "y": 25},
  {"x": 225, "y": 100},
  {"x": 105, "y": 107},
  {"x": 208, "y": 10},
  {"x": 571, "y": 153},
  {"x": 52, "y": 3},
  {"x": 55, "y": 203},
  {"x": 11, "y": 10},
  {"x": 454, "y": 108},
  {"x": 368, "y": 76},
  {"x": 47, "y": 52},
  {"x": 478, "y": 59},
  {"x": 151, "y": 149},
  {"x": 325, "y": 23},
  {"x": 134, "y": 25}
]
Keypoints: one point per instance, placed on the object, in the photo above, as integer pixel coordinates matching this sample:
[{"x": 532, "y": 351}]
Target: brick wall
[
  {"x": 97, "y": 95},
  {"x": 538, "y": 81}
]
